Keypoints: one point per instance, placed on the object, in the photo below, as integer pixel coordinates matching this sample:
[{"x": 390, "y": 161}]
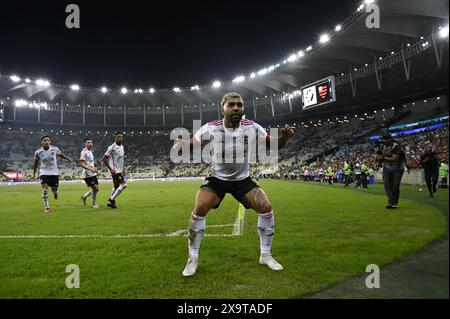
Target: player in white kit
[
  {"x": 113, "y": 159},
  {"x": 87, "y": 162},
  {"x": 48, "y": 168},
  {"x": 231, "y": 177}
]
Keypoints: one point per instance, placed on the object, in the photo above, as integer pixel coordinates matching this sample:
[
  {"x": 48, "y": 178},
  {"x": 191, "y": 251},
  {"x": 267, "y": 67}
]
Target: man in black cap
[
  {"x": 393, "y": 159},
  {"x": 430, "y": 163}
]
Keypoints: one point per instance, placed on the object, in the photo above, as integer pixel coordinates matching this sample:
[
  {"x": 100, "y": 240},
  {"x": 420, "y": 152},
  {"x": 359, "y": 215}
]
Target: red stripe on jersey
[
  {"x": 215, "y": 123},
  {"x": 247, "y": 122}
]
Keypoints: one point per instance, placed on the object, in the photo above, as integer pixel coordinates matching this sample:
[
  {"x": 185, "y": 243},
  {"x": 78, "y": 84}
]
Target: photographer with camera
[{"x": 391, "y": 155}]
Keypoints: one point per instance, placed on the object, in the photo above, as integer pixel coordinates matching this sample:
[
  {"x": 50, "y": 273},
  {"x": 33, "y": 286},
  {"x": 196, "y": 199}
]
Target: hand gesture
[
  {"x": 178, "y": 143},
  {"x": 287, "y": 132}
]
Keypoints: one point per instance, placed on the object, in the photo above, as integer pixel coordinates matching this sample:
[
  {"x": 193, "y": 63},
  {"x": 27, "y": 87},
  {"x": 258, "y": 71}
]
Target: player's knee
[
  {"x": 124, "y": 186},
  {"x": 201, "y": 209},
  {"x": 266, "y": 207}
]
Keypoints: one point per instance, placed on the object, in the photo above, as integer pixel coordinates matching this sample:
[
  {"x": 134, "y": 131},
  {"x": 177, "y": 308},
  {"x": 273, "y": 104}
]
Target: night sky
[{"x": 158, "y": 44}]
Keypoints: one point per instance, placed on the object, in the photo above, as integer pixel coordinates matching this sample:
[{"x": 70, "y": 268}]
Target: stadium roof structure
[{"x": 406, "y": 56}]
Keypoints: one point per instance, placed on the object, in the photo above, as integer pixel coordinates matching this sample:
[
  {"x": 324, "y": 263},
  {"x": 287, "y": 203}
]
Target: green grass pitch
[{"x": 323, "y": 235}]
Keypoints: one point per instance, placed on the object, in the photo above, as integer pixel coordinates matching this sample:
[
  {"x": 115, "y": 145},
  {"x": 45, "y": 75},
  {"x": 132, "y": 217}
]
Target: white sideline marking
[{"x": 178, "y": 233}]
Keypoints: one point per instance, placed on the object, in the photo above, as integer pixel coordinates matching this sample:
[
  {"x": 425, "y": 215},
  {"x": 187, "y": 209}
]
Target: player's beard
[{"x": 235, "y": 118}]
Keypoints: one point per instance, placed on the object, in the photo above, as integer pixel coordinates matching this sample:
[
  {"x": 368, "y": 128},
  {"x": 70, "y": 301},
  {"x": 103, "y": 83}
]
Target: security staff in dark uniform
[
  {"x": 430, "y": 163},
  {"x": 393, "y": 159}
]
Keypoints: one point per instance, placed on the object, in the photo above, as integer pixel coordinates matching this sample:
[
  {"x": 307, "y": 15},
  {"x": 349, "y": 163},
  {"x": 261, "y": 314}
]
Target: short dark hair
[
  {"x": 87, "y": 139},
  {"x": 118, "y": 132},
  {"x": 231, "y": 95},
  {"x": 42, "y": 138}
]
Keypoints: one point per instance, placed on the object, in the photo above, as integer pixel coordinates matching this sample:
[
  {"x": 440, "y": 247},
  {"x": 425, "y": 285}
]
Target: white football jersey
[
  {"x": 47, "y": 158},
  {"x": 116, "y": 155},
  {"x": 230, "y": 154},
  {"x": 87, "y": 156}
]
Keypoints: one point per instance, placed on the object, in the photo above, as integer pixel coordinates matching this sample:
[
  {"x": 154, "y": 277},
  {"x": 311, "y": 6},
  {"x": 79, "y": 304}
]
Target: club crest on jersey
[{"x": 244, "y": 140}]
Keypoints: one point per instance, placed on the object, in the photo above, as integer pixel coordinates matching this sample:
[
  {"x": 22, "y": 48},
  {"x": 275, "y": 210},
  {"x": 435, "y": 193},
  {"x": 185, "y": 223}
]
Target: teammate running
[
  {"x": 48, "y": 169},
  {"x": 113, "y": 159},
  {"x": 87, "y": 162}
]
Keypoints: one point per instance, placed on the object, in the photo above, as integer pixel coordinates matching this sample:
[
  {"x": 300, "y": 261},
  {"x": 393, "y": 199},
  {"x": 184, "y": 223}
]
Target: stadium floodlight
[
  {"x": 27, "y": 80},
  {"x": 140, "y": 91},
  {"x": 309, "y": 48},
  {"x": 124, "y": 90},
  {"x": 360, "y": 7},
  {"x": 42, "y": 82},
  {"x": 252, "y": 75},
  {"x": 104, "y": 89},
  {"x": 369, "y": 1},
  {"x": 239, "y": 79},
  {"x": 217, "y": 84},
  {"x": 292, "y": 57},
  {"x": 262, "y": 72},
  {"x": 443, "y": 32},
  {"x": 195, "y": 88},
  {"x": 338, "y": 28},
  {"x": 324, "y": 38},
  {"x": 300, "y": 53},
  {"x": 74, "y": 87},
  {"x": 176, "y": 89},
  {"x": 20, "y": 103},
  {"x": 152, "y": 90},
  {"x": 14, "y": 78}
]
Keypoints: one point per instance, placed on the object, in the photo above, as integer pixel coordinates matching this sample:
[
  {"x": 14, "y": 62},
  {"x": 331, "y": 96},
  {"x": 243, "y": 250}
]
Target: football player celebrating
[{"x": 232, "y": 177}]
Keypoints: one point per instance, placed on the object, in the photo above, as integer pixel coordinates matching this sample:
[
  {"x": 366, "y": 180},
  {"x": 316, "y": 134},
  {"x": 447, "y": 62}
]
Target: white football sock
[
  {"x": 112, "y": 192},
  {"x": 88, "y": 193},
  {"x": 266, "y": 224},
  {"x": 45, "y": 197},
  {"x": 197, "y": 227},
  {"x": 94, "y": 198},
  {"x": 118, "y": 191}
]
